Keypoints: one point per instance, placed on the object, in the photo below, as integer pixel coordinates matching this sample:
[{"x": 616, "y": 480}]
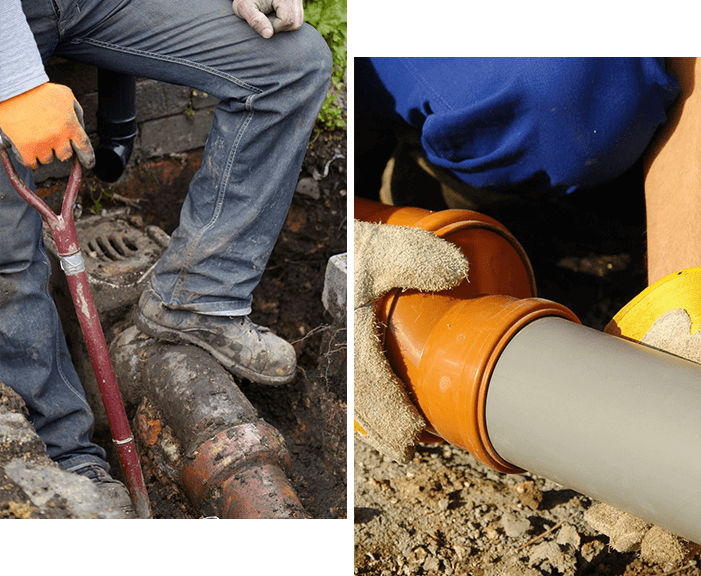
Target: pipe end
[{"x": 111, "y": 160}]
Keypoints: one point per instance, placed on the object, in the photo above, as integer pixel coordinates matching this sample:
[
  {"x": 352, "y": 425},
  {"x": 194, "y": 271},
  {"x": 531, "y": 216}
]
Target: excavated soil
[
  {"x": 445, "y": 513},
  {"x": 311, "y": 412}
]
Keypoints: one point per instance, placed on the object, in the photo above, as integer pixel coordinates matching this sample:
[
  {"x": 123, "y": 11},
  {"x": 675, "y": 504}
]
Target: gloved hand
[
  {"x": 269, "y": 16},
  {"x": 44, "y": 123},
  {"x": 388, "y": 257},
  {"x": 671, "y": 333},
  {"x": 666, "y": 316}
]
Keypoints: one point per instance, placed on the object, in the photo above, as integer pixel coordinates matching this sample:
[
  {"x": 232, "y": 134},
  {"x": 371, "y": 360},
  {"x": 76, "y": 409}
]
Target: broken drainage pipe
[
  {"x": 234, "y": 463},
  {"x": 519, "y": 383}
]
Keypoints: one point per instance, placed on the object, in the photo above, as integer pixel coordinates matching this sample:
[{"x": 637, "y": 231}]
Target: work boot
[
  {"x": 242, "y": 347},
  {"x": 114, "y": 492}
]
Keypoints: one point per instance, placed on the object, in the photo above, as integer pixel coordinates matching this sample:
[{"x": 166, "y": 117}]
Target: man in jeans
[{"x": 270, "y": 85}]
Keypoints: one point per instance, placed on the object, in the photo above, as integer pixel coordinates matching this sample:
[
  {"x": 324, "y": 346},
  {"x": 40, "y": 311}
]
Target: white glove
[
  {"x": 388, "y": 257},
  {"x": 269, "y": 16}
]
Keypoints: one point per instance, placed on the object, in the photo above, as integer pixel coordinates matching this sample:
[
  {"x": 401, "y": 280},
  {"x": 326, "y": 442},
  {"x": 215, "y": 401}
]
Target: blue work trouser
[
  {"x": 537, "y": 124},
  {"x": 270, "y": 93}
]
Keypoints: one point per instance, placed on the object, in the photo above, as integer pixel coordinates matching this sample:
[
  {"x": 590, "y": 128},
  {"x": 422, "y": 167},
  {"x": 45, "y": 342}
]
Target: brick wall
[{"x": 171, "y": 119}]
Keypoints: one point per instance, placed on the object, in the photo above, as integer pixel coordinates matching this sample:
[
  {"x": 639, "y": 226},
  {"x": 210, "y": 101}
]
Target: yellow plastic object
[{"x": 678, "y": 290}]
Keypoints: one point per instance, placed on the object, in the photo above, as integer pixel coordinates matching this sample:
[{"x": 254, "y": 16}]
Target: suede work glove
[
  {"x": 43, "y": 124},
  {"x": 388, "y": 257}
]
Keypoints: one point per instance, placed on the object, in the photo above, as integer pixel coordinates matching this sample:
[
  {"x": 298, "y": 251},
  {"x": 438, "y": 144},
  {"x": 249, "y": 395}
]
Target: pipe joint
[
  {"x": 231, "y": 450},
  {"x": 241, "y": 472}
]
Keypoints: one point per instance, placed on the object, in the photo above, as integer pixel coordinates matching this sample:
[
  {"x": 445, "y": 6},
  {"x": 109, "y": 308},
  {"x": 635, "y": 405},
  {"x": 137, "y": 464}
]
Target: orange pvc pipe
[
  {"x": 444, "y": 346},
  {"x": 498, "y": 263}
]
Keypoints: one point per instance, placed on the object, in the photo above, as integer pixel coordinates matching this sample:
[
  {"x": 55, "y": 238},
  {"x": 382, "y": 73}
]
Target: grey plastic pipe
[{"x": 615, "y": 420}]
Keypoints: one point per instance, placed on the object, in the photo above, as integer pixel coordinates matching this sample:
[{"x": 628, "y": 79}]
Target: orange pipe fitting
[
  {"x": 522, "y": 385},
  {"x": 444, "y": 346},
  {"x": 498, "y": 263},
  {"x": 240, "y": 473}
]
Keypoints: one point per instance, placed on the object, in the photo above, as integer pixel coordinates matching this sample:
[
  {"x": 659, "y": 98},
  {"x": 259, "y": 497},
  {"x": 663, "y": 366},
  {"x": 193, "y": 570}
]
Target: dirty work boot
[
  {"x": 242, "y": 347},
  {"x": 112, "y": 490}
]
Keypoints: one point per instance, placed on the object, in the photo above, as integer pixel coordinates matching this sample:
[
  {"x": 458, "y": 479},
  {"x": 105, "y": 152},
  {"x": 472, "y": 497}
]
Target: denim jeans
[{"x": 270, "y": 93}]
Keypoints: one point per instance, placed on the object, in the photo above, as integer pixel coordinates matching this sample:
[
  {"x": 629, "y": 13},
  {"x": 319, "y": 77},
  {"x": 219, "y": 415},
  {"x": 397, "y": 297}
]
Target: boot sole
[{"x": 150, "y": 328}]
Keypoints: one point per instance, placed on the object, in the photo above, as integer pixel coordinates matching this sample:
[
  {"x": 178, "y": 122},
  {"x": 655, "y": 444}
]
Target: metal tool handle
[
  {"x": 61, "y": 224},
  {"x": 66, "y": 239}
]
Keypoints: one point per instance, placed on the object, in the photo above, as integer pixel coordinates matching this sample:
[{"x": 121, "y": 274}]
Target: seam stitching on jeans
[
  {"x": 63, "y": 375},
  {"x": 165, "y": 58}
]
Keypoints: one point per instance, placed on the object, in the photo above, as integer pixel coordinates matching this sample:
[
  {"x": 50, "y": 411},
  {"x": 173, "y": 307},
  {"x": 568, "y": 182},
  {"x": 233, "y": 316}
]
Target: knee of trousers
[
  {"x": 308, "y": 59},
  {"x": 562, "y": 123}
]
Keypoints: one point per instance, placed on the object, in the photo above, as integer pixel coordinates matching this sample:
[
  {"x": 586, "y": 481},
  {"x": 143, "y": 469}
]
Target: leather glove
[
  {"x": 43, "y": 124},
  {"x": 388, "y": 257},
  {"x": 269, "y": 16}
]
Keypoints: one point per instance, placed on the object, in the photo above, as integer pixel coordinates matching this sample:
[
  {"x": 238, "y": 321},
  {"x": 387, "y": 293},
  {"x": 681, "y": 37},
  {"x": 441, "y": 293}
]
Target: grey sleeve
[{"x": 21, "y": 68}]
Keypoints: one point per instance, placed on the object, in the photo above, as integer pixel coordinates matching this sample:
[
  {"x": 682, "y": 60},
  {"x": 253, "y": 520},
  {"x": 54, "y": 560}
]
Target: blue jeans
[
  {"x": 541, "y": 124},
  {"x": 270, "y": 94}
]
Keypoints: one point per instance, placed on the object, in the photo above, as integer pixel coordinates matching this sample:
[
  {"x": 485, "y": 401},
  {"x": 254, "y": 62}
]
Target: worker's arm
[
  {"x": 21, "y": 68},
  {"x": 39, "y": 121},
  {"x": 673, "y": 179}
]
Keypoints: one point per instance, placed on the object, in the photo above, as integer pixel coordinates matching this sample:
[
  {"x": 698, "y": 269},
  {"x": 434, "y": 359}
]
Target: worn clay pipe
[{"x": 233, "y": 463}]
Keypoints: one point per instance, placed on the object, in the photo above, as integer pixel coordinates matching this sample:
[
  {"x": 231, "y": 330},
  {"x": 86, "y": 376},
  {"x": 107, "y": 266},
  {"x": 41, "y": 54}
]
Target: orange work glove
[{"x": 43, "y": 124}]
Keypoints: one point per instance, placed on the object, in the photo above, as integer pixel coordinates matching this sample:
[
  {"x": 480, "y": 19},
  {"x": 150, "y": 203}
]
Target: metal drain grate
[
  {"x": 113, "y": 247},
  {"x": 119, "y": 254}
]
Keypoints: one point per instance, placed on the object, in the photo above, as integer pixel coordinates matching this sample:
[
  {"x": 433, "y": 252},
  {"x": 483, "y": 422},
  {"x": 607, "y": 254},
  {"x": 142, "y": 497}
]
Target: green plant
[
  {"x": 330, "y": 18},
  {"x": 97, "y": 202}
]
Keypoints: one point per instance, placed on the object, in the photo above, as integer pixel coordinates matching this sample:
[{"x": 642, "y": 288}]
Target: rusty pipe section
[
  {"x": 243, "y": 486},
  {"x": 234, "y": 465}
]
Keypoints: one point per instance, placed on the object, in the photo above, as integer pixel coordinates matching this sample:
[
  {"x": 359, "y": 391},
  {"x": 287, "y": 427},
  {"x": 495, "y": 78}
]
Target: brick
[
  {"x": 175, "y": 134},
  {"x": 158, "y": 100}
]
